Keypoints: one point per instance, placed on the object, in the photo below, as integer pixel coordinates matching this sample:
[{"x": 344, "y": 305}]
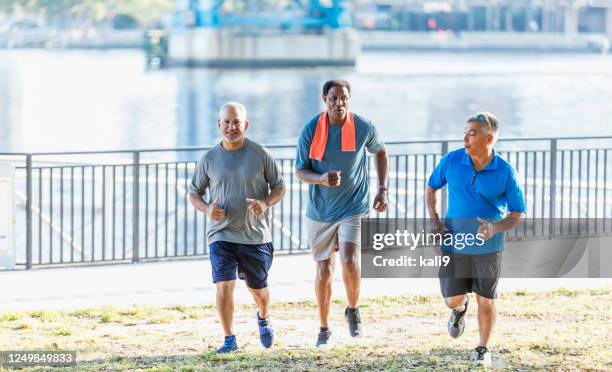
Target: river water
[{"x": 83, "y": 100}]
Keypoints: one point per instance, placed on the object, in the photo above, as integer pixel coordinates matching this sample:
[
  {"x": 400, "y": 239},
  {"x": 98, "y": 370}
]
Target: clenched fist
[
  {"x": 214, "y": 212},
  {"x": 331, "y": 179},
  {"x": 380, "y": 201},
  {"x": 256, "y": 206}
]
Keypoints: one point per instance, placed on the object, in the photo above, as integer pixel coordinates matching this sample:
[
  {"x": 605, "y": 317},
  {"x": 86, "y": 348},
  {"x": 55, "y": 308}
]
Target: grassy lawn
[{"x": 560, "y": 330}]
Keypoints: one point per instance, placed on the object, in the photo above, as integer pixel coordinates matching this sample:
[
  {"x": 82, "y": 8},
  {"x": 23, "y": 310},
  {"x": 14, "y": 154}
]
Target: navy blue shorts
[{"x": 252, "y": 260}]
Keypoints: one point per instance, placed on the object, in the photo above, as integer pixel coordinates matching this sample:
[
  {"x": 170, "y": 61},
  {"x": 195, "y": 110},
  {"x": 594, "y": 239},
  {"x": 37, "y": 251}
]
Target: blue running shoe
[
  {"x": 266, "y": 334},
  {"x": 229, "y": 345}
]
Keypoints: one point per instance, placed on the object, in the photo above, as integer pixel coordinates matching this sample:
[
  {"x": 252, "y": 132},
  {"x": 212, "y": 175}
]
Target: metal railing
[{"x": 130, "y": 206}]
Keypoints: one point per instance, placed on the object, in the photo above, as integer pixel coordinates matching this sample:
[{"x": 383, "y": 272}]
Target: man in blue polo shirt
[{"x": 484, "y": 199}]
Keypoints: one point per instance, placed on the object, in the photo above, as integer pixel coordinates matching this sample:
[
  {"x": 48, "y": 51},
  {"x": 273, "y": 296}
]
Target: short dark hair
[
  {"x": 335, "y": 83},
  {"x": 486, "y": 120}
]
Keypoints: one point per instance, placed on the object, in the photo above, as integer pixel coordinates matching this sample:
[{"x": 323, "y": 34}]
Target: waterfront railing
[{"x": 94, "y": 207}]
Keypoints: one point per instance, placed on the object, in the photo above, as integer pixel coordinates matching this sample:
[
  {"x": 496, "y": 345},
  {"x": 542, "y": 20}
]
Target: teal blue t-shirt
[{"x": 329, "y": 204}]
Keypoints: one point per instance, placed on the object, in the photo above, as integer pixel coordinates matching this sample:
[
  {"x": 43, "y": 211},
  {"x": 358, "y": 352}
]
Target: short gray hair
[
  {"x": 235, "y": 105},
  {"x": 487, "y": 122}
]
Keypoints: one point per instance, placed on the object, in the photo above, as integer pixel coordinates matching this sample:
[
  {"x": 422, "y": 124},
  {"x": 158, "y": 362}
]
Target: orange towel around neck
[{"x": 319, "y": 140}]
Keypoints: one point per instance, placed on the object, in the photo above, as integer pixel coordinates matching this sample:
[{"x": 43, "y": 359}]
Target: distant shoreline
[{"x": 446, "y": 41}]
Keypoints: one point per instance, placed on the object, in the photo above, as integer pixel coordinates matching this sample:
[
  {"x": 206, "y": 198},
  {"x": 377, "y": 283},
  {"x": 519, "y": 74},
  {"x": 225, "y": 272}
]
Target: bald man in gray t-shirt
[{"x": 242, "y": 182}]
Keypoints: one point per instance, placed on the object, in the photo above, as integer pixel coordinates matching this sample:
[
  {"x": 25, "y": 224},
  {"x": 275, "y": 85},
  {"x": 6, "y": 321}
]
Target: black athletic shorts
[{"x": 471, "y": 273}]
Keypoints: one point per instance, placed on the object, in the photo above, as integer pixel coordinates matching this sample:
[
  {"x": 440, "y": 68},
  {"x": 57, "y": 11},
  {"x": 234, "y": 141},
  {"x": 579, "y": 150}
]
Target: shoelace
[
  {"x": 457, "y": 317},
  {"x": 324, "y": 336},
  {"x": 481, "y": 351},
  {"x": 266, "y": 330},
  {"x": 354, "y": 317}
]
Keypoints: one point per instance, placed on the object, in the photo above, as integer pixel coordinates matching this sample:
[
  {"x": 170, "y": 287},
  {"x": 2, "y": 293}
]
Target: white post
[
  {"x": 609, "y": 22},
  {"x": 7, "y": 217},
  {"x": 508, "y": 19},
  {"x": 571, "y": 21},
  {"x": 545, "y": 18}
]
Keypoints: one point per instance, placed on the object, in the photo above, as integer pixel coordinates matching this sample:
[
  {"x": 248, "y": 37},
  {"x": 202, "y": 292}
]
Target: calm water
[{"x": 72, "y": 100}]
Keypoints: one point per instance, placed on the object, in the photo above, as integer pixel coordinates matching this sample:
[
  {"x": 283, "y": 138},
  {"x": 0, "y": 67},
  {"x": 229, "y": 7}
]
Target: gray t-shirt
[{"x": 233, "y": 176}]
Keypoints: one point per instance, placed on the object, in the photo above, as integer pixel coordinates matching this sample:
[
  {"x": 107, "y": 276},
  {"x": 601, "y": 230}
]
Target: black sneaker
[
  {"x": 482, "y": 356},
  {"x": 354, "y": 321},
  {"x": 456, "y": 322},
  {"x": 323, "y": 338}
]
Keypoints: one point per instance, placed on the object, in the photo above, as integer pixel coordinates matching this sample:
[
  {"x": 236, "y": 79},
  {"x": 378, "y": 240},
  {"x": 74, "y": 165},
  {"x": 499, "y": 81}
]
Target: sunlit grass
[{"x": 558, "y": 330}]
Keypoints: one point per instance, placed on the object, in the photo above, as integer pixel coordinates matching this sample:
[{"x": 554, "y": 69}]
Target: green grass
[{"x": 558, "y": 330}]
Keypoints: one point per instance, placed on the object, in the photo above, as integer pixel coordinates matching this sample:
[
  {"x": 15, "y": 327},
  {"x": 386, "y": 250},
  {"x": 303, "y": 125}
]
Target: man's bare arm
[
  {"x": 198, "y": 203},
  {"x": 432, "y": 204},
  {"x": 509, "y": 222},
  {"x": 330, "y": 179},
  {"x": 488, "y": 229},
  {"x": 258, "y": 207},
  {"x": 276, "y": 194},
  {"x": 210, "y": 209},
  {"x": 437, "y": 226},
  {"x": 382, "y": 170},
  {"x": 308, "y": 176},
  {"x": 382, "y": 166}
]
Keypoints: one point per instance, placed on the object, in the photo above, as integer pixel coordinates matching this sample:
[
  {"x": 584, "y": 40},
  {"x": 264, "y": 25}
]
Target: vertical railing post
[
  {"x": 135, "y": 206},
  {"x": 444, "y": 200},
  {"x": 553, "y": 186},
  {"x": 28, "y": 207}
]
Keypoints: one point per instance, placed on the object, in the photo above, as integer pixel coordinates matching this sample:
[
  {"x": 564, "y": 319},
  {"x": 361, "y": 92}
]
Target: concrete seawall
[
  {"x": 224, "y": 48},
  {"x": 483, "y": 41},
  {"x": 342, "y": 47}
]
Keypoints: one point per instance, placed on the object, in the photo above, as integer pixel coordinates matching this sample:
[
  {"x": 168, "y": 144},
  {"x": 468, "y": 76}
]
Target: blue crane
[{"x": 307, "y": 14}]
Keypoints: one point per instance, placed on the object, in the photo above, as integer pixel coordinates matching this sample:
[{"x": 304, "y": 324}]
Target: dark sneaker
[
  {"x": 354, "y": 321},
  {"x": 323, "y": 338},
  {"x": 266, "y": 334},
  {"x": 456, "y": 322},
  {"x": 229, "y": 345},
  {"x": 482, "y": 356}
]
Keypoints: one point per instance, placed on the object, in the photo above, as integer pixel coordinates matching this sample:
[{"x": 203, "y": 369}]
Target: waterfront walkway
[{"x": 189, "y": 283}]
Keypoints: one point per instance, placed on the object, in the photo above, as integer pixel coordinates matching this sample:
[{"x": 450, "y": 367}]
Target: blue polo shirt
[
  {"x": 351, "y": 198},
  {"x": 489, "y": 194}
]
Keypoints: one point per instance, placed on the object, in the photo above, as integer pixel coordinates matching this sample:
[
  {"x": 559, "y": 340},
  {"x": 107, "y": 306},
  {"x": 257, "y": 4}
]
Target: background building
[{"x": 560, "y": 16}]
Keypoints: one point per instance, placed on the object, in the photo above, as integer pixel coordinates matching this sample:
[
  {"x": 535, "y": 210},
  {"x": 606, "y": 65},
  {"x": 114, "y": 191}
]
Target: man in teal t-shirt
[{"x": 332, "y": 159}]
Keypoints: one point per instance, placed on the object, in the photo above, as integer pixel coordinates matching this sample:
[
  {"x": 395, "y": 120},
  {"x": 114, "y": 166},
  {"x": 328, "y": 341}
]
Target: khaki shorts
[{"x": 323, "y": 236}]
